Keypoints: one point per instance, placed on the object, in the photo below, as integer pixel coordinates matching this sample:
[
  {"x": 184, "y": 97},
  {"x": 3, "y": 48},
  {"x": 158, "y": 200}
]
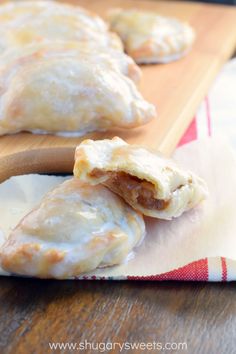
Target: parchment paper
[{"x": 206, "y": 231}]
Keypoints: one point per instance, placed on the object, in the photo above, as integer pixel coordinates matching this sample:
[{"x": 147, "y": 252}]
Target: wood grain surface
[
  {"x": 36, "y": 312},
  {"x": 176, "y": 88},
  {"x": 51, "y": 160}
]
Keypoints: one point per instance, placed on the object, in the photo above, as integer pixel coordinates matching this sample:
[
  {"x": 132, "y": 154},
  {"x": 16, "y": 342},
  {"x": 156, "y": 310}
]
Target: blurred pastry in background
[
  {"x": 75, "y": 229},
  {"x": 150, "y": 38},
  {"x": 24, "y": 22},
  {"x": 150, "y": 183},
  {"x": 68, "y": 88}
]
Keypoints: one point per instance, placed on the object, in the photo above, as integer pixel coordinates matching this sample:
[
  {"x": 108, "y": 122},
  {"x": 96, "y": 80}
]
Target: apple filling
[{"x": 132, "y": 189}]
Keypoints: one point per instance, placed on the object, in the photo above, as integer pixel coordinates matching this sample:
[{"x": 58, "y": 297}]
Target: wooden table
[{"x": 36, "y": 312}]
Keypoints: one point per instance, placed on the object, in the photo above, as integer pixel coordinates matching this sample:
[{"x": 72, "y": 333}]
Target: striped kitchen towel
[{"x": 216, "y": 116}]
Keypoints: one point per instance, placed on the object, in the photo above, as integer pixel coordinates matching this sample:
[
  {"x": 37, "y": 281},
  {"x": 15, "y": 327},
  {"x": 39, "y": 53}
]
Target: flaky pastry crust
[
  {"x": 26, "y": 22},
  {"x": 148, "y": 182},
  {"x": 75, "y": 229},
  {"x": 150, "y": 38},
  {"x": 63, "y": 87}
]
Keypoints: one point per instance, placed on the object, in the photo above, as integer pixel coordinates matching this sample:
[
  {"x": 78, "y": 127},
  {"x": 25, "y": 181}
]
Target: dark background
[{"x": 226, "y": 2}]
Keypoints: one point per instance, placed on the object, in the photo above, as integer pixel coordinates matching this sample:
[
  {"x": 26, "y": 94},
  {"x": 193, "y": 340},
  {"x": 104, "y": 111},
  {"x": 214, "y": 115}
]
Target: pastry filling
[{"x": 132, "y": 189}]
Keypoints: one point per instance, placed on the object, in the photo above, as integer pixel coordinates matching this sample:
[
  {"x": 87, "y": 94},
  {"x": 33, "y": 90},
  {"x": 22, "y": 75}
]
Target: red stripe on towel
[
  {"x": 208, "y": 113},
  {"x": 190, "y": 134},
  {"x": 195, "y": 271},
  {"x": 224, "y": 269}
]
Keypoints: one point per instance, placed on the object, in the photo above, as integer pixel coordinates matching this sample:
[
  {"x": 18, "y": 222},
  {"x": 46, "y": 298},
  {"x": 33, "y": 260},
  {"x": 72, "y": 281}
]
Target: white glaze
[
  {"x": 62, "y": 87},
  {"x": 75, "y": 229},
  {"x": 150, "y": 38},
  {"x": 180, "y": 188}
]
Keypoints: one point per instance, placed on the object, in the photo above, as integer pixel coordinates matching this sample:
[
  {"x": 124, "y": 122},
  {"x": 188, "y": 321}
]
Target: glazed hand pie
[
  {"x": 61, "y": 88},
  {"x": 24, "y": 22},
  {"x": 150, "y": 38},
  {"x": 150, "y": 183},
  {"x": 75, "y": 229},
  {"x": 66, "y": 49}
]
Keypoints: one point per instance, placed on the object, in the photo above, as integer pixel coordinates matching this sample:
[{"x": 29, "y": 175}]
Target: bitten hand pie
[
  {"x": 75, "y": 229},
  {"x": 150, "y": 183},
  {"x": 149, "y": 38},
  {"x": 24, "y": 22},
  {"x": 63, "y": 88}
]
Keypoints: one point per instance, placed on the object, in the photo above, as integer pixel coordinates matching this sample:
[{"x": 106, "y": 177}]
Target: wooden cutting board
[{"x": 176, "y": 88}]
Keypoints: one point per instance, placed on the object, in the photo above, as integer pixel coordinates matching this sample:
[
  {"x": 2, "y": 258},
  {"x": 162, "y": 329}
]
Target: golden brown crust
[
  {"x": 75, "y": 229},
  {"x": 151, "y": 184},
  {"x": 51, "y": 88},
  {"x": 150, "y": 38},
  {"x": 26, "y": 22}
]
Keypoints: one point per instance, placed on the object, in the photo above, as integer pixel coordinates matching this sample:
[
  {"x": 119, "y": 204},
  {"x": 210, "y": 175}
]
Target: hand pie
[
  {"x": 150, "y": 183},
  {"x": 66, "y": 49},
  {"x": 24, "y": 22},
  {"x": 149, "y": 38},
  {"x": 61, "y": 88},
  {"x": 75, "y": 229}
]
